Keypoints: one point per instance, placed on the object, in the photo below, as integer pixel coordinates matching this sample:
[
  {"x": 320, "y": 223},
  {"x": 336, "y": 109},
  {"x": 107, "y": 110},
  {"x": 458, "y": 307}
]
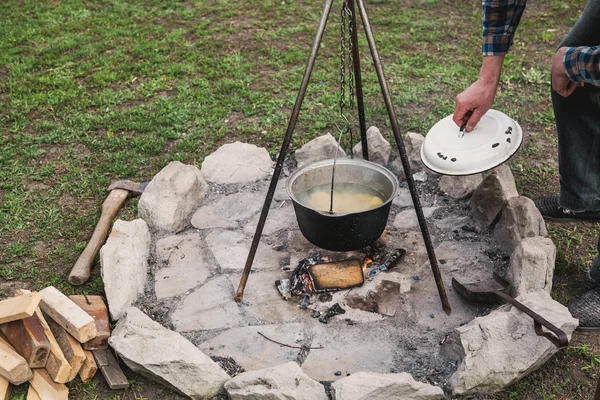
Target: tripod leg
[
  {"x": 358, "y": 79},
  {"x": 284, "y": 149},
  {"x": 404, "y": 158}
]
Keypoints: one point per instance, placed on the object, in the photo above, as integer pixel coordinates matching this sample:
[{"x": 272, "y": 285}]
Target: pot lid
[{"x": 447, "y": 150}]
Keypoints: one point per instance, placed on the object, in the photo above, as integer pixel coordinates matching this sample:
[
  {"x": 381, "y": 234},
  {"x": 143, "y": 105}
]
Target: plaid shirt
[
  {"x": 500, "y": 21},
  {"x": 583, "y": 64}
]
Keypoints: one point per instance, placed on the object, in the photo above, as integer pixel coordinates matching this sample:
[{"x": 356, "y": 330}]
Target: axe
[{"x": 118, "y": 192}]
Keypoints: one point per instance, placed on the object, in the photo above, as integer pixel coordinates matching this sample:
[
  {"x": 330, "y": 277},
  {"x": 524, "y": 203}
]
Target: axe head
[{"x": 134, "y": 188}]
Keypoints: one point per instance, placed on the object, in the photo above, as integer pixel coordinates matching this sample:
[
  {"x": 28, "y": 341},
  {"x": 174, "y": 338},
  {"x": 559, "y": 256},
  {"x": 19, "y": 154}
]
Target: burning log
[{"x": 390, "y": 262}]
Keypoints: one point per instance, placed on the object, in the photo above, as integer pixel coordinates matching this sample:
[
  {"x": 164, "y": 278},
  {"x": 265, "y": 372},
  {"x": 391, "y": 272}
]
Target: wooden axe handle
[{"x": 81, "y": 270}]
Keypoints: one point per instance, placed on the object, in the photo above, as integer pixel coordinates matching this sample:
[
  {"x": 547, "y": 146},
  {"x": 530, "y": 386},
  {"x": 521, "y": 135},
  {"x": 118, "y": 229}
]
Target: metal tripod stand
[{"x": 361, "y": 115}]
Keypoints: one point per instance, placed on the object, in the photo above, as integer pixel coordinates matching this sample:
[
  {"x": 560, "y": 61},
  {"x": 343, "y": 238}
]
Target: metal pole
[
  {"x": 284, "y": 149},
  {"x": 404, "y": 158},
  {"x": 358, "y": 79}
]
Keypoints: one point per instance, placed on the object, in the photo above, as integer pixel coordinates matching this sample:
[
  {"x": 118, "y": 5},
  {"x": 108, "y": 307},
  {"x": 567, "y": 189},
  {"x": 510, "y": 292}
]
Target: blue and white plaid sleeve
[
  {"x": 583, "y": 64},
  {"x": 500, "y": 21}
]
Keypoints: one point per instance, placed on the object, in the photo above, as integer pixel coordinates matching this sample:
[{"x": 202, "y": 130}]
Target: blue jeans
[{"x": 578, "y": 126}]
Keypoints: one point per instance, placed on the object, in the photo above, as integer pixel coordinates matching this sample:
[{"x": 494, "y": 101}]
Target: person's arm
[
  {"x": 500, "y": 21},
  {"x": 574, "y": 66}
]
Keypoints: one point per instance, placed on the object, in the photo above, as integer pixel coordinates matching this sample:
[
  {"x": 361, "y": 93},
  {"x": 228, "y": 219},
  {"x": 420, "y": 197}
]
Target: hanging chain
[{"x": 346, "y": 64}]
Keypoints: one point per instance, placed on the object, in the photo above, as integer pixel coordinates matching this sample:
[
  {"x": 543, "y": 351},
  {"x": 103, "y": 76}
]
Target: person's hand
[
  {"x": 473, "y": 103},
  {"x": 560, "y": 80},
  {"x": 478, "y": 98}
]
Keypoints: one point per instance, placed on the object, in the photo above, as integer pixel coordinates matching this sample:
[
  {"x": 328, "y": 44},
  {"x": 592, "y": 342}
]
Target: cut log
[
  {"x": 57, "y": 365},
  {"x": 13, "y": 367},
  {"x": 28, "y": 339},
  {"x": 67, "y": 314},
  {"x": 89, "y": 368},
  {"x": 46, "y": 388},
  {"x": 5, "y": 389},
  {"x": 109, "y": 366},
  {"x": 95, "y": 307},
  {"x": 336, "y": 275},
  {"x": 19, "y": 307},
  {"x": 70, "y": 347},
  {"x": 32, "y": 394}
]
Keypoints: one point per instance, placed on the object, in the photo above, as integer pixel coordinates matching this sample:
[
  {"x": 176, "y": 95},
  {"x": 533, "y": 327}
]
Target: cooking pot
[{"x": 342, "y": 231}]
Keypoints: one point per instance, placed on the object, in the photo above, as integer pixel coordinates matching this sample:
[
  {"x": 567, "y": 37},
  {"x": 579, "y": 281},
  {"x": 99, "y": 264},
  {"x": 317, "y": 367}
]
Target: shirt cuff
[
  {"x": 571, "y": 64},
  {"x": 496, "y": 45}
]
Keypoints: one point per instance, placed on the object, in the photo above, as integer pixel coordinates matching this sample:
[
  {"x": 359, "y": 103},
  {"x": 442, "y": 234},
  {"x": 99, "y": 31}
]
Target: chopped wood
[
  {"x": 28, "y": 339},
  {"x": 46, "y": 388},
  {"x": 67, "y": 314},
  {"x": 13, "y": 367},
  {"x": 70, "y": 347},
  {"x": 32, "y": 394},
  {"x": 95, "y": 307},
  {"x": 5, "y": 389},
  {"x": 336, "y": 275},
  {"x": 18, "y": 307},
  {"x": 57, "y": 365},
  {"x": 109, "y": 366},
  {"x": 89, "y": 368}
]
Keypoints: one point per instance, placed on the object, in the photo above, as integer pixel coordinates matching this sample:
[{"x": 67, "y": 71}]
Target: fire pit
[{"x": 391, "y": 323}]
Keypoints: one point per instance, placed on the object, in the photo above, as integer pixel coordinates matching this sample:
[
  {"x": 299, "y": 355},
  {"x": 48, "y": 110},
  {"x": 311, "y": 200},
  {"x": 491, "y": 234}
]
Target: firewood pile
[{"x": 47, "y": 339}]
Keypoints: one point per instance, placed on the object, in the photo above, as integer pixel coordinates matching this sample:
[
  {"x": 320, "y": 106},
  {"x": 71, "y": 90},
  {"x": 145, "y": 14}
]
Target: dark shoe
[
  {"x": 552, "y": 211},
  {"x": 587, "y": 309}
]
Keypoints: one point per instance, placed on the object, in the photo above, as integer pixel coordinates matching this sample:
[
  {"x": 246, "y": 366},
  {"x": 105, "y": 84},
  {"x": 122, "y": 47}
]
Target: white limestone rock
[
  {"x": 373, "y": 386},
  {"x": 520, "y": 219},
  {"x": 281, "y": 193},
  {"x": 171, "y": 197},
  {"x": 403, "y": 198},
  {"x": 281, "y": 216},
  {"x": 231, "y": 249},
  {"x": 237, "y": 163},
  {"x": 412, "y": 143},
  {"x": 321, "y": 148},
  {"x": 124, "y": 264},
  {"x": 210, "y": 307},
  {"x": 248, "y": 348},
  {"x": 184, "y": 265},
  {"x": 282, "y": 382},
  {"x": 531, "y": 266},
  {"x": 229, "y": 212},
  {"x": 397, "y": 168},
  {"x": 502, "y": 347},
  {"x": 166, "y": 357},
  {"x": 459, "y": 187},
  {"x": 379, "y": 148},
  {"x": 407, "y": 219},
  {"x": 491, "y": 195}
]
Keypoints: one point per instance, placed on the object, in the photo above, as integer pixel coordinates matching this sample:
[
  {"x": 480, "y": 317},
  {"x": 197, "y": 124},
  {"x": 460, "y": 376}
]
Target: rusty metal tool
[
  {"x": 118, "y": 192},
  {"x": 487, "y": 291}
]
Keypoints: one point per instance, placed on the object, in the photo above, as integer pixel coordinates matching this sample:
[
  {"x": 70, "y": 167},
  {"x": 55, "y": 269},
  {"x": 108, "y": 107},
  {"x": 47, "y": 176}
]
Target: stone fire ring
[{"x": 170, "y": 278}]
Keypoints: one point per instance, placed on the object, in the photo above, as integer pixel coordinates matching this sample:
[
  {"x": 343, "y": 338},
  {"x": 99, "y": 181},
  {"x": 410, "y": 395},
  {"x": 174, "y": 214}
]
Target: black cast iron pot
[{"x": 342, "y": 231}]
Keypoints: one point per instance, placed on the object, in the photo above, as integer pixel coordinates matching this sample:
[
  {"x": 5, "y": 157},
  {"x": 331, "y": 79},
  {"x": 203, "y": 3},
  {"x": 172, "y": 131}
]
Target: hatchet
[{"x": 118, "y": 192}]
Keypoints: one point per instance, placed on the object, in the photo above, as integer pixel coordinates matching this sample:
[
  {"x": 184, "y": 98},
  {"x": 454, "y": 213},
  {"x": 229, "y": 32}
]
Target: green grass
[{"x": 91, "y": 92}]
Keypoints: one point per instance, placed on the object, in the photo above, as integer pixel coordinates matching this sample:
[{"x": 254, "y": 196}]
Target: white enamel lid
[{"x": 493, "y": 141}]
